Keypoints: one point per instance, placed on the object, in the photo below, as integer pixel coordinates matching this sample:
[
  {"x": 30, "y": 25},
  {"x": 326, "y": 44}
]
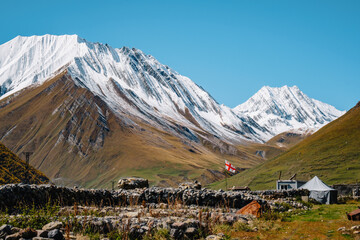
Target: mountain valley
[{"x": 92, "y": 113}]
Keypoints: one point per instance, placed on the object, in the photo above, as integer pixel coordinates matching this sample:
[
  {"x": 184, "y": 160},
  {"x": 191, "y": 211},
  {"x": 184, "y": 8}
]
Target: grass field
[{"x": 321, "y": 222}]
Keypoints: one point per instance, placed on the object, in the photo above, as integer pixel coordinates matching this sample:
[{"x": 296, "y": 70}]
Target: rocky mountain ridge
[{"x": 135, "y": 84}]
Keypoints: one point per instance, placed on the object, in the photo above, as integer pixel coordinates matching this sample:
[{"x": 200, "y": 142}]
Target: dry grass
[
  {"x": 15, "y": 170},
  {"x": 321, "y": 222}
]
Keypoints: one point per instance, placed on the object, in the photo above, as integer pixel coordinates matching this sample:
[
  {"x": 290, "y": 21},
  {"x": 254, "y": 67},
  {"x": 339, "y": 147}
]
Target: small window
[{"x": 283, "y": 187}]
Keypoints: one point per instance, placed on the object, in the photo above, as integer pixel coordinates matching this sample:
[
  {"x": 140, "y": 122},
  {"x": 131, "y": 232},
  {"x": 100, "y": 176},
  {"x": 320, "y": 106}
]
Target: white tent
[{"x": 320, "y": 191}]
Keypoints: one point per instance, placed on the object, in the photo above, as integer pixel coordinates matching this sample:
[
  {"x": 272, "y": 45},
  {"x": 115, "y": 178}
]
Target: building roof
[{"x": 290, "y": 180}]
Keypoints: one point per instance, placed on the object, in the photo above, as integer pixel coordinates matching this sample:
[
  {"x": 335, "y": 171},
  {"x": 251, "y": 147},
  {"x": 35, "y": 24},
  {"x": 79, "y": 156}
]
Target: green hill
[
  {"x": 332, "y": 153},
  {"x": 14, "y": 170}
]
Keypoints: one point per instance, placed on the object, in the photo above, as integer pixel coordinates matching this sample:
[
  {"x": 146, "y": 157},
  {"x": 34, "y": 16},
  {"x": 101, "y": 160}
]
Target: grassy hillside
[
  {"x": 13, "y": 169},
  {"x": 332, "y": 153}
]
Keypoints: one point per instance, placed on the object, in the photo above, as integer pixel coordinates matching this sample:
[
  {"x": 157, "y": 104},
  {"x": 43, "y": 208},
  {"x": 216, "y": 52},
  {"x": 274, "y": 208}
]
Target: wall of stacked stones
[
  {"x": 347, "y": 189},
  {"x": 14, "y": 196},
  {"x": 274, "y": 194}
]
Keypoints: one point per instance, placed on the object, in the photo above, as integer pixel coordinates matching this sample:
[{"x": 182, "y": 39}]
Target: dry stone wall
[{"x": 18, "y": 195}]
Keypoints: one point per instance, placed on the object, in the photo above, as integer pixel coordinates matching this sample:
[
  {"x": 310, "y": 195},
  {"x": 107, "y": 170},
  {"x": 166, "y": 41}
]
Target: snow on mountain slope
[
  {"x": 129, "y": 81},
  {"x": 137, "y": 85},
  {"x": 25, "y": 61},
  {"x": 285, "y": 108}
]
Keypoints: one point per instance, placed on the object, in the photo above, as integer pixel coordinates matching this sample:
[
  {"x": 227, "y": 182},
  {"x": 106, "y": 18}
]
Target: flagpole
[
  {"x": 229, "y": 168},
  {"x": 226, "y": 181}
]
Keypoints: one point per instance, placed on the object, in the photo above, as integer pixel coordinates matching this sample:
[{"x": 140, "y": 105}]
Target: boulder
[
  {"x": 191, "y": 232},
  {"x": 176, "y": 233},
  {"x": 55, "y": 234},
  {"x": 15, "y": 236},
  {"x": 5, "y": 230},
  {"x": 15, "y": 230},
  {"x": 354, "y": 228},
  {"x": 42, "y": 233},
  {"x": 214, "y": 237},
  {"x": 253, "y": 208},
  {"x": 133, "y": 183},
  {"x": 52, "y": 225},
  {"x": 28, "y": 233},
  {"x": 179, "y": 225}
]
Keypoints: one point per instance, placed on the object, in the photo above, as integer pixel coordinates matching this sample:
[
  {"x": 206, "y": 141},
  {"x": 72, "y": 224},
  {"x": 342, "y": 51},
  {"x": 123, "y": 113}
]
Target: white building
[{"x": 289, "y": 184}]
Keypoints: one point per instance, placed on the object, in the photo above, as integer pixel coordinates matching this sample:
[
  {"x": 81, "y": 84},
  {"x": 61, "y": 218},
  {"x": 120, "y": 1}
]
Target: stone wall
[
  {"x": 352, "y": 190},
  {"x": 274, "y": 194},
  {"x": 14, "y": 196},
  {"x": 19, "y": 195}
]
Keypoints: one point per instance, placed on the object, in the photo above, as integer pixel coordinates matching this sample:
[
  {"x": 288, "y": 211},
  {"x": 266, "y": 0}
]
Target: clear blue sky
[{"x": 231, "y": 48}]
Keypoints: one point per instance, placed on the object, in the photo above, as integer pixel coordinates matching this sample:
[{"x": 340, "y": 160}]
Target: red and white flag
[{"x": 229, "y": 167}]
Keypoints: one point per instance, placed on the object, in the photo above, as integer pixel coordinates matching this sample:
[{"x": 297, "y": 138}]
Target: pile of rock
[
  {"x": 133, "y": 183},
  {"x": 353, "y": 230},
  {"x": 51, "y": 230},
  {"x": 180, "y": 220}
]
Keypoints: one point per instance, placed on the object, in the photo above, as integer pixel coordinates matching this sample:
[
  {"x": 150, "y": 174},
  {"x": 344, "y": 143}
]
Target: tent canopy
[
  {"x": 315, "y": 184},
  {"x": 320, "y": 191}
]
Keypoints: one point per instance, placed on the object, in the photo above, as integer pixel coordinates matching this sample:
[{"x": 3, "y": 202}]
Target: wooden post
[{"x": 27, "y": 166}]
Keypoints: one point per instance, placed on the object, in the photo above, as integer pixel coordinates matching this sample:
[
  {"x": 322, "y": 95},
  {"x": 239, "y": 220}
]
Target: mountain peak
[
  {"x": 277, "y": 89},
  {"x": 45, "y": 38},
  {"x": 130, "y": 81},
  {"x": 280, "y": 108},
  {"x": 126, "y": 79},
  {"x": 26, "y": 60}
]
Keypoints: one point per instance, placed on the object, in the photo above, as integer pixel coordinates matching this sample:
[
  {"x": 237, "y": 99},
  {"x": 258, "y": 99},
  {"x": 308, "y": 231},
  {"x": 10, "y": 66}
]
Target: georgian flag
[{"x": 229, "y": 167}]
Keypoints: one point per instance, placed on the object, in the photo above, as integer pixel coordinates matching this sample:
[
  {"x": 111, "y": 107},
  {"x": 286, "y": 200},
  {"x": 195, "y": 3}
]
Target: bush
[
  {"x": 271, "y": 215},
  {"x": 158, "y": 234},
  {"x": 242, "y": 227}
]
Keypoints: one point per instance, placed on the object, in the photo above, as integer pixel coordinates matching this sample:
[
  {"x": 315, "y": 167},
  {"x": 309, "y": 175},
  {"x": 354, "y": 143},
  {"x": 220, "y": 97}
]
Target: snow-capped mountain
[
  {"x": 287, "y": 108},
  {"x": 136, "y": 85},
  {"x": 91, "y": 113},
  {"x": 128, "y": 80}
]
